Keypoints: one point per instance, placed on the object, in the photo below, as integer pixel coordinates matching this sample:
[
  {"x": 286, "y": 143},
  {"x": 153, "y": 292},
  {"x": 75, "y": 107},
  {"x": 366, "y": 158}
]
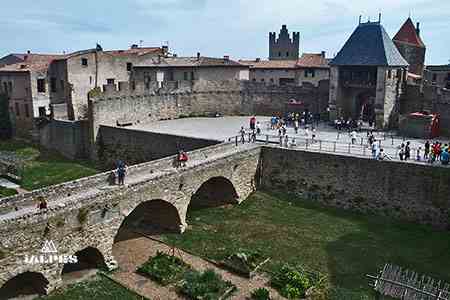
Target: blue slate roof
[{"x": 369, "y": 45}]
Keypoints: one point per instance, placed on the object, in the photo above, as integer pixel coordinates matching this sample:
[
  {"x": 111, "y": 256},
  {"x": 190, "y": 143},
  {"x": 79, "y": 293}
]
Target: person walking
[
  {"x": 183, "y": 158},
  {"x": 418, "y": 152},
  {"x": 374, "y": 149},
  {"x": 426, "y": 150},
  {"x": 121, "y": 171},
  {"x": 401, "y": 152},
  {"x": 353, "y": 136},
  {"x": 42, "y": 203},
  {"x": 286, "y": 141},
  {"x": 296, "y": 126},
  {"x": 408, "y": 151},
  {"x": 258, "y": 128},
  {"x": 445, "y": 157},
  {"x": 253, "y": 123},
  {"x": 242, "y": 132}
]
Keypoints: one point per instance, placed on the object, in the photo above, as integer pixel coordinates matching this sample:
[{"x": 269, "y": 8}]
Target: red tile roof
[
  {"x": 32, "y": 62},
  {"x": 408, "y": 34},
  {"x": 269, "y": 64},
  {"x": 138, "y": 51},
  {"x": 312, "y": 60}
]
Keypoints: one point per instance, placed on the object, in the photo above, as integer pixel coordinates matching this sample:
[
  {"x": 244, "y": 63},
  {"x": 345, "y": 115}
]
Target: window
[
  {"x": 27, "y": 111},
  {"x": 84, "y": 62},
  {"x": 287, "y": 54},
  {"x": 129, "y": 67},
  {"x": 171, "y": 76},
  {"x": 10, "y": 88},
  {"x": 110, "y": 81},
  {"x": 147, "y": 79},
  {"x": 133, "y": 85},
  {"x": 5, "y": 87},
  {"x": 61, "y": 84},
  {"x": 306, "y": 73},
  {"x": 41, "y": 85},
  {"x": 185, "y": 75},
  {"x": 313, "y": 73},
  {"x": 192, "y": 75},
  {"x": 279, "y": 54},
  {"x": 90, "y": 79},
  {"x": 389, "y": 75},
  {"x": 17, "y": 109},
  {"x": 309, "y": 72},
  {"x": 434, "y": 77},
  {"x": 53, "y": 85}
]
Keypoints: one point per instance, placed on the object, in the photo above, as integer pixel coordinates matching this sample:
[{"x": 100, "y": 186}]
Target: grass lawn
[
  {"x": 5, "y": 192},
  {"x": 100, "y": 288},
  {"x": 343, "y": 245},
  {"x": 44, "y": 168}
]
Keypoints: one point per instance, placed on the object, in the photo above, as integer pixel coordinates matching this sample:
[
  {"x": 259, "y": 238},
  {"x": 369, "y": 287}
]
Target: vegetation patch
[
  {"x": 82, "y": 215},
  {"x": 164, "y": 269},
  {"x": 100, "y": 288},
  {"x": 260, "y": 294},
  {"x": 206, "y": 286},
  {"x": 244, "y": 262},
  {"x": 5, "y": 192},
  {"x": 291, "y": 282}
]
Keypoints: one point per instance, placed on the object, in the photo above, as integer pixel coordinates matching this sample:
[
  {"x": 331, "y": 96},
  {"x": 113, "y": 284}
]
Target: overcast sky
[{"x": 238, "y": 28}]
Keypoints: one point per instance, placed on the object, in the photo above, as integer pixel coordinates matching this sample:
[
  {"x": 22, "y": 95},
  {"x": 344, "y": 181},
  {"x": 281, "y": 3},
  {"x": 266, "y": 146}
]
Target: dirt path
[{"x": 133, "y": 253}]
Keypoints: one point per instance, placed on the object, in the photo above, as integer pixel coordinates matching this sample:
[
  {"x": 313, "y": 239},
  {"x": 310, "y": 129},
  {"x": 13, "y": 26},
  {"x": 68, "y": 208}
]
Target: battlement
[{"x": 284, "y": 47}]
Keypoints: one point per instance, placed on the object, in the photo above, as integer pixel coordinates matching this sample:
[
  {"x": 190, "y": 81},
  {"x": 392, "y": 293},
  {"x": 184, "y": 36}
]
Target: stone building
[
  {"x": 73, "y": 76},
  {"x": 438, "y": 75},
  {"x": 272, "y": 72},
  {"x": 283, "y": 47},
  {"x": 163, "y": 70},
  {"x": 366, "y": 77},
  {"x": 27, "y": 87},
  {"x": 411, "y": 47},
  {"x": 312, "y": 68}
]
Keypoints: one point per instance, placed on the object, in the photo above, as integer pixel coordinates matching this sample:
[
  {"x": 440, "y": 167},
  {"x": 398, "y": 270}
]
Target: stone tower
[
  {"x": 408, "y": 42},
  {"x": 284, "y": 48}
]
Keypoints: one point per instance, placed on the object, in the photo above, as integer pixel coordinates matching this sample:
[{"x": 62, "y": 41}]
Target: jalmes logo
[{"x": 50, "y": 255}]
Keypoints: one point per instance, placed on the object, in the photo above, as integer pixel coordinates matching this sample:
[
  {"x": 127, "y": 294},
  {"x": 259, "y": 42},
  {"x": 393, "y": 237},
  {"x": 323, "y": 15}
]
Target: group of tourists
[
  {"x": 433, "y": 152},
  {"x": 348, "y": 124}
]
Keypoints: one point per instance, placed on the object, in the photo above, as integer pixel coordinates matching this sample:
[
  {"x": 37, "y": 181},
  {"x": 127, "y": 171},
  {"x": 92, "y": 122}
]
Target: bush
[
  {"x": 244, "y": 262},
  {"x": 260, "y": 294},
  {"x": 291, "y": 282},
  {"x": 206, "y": 286},
  {"x": 5, "y": 192},
  {"x": 164, "y": 269}
]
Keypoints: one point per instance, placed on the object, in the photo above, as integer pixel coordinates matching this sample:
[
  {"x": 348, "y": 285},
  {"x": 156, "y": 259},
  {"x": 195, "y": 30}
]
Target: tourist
[
  {"x": 306, "y": 132},
  {"x": 252, "y": 123},
  {"x": 281, "y": 141},
  {"x": 258, "y": 128},
  {"x": 183, "y": 158},
  {"x": 382, "y": 155},
  {"x": 401, "y": 152},
  {"x": 283, "y": 129},
  {"x": 253, "y": 137},
  {"x": 112, "y": 178},
  {"x": 296, "y": 126},
  {"x": 445, "y": 157},
  {"x": 286, "y": 141},
  {"x": 408, "y": 151},
  {"x": 418, "y": 157},
  {"x": 242, "y": 133},
  {"x": 374, "y": 149},
  {"x": 42, "y": 203},
  {"x": 273, "y": 122},
  {"x": 121, "y": 172},
  {"x": 353, "y": 137},
  {"x": 426, "y": 150}
]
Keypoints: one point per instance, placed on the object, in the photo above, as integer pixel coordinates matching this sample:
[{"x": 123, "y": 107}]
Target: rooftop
[
  {"x": 269, "y": 64},
  {"x": 313, "y": 60},
  {"x": 369, "y": 45},
  {"x": 409, "y": 34},
  {"x": 31, "y": 62},
  {"x": 170, "y": 62}
]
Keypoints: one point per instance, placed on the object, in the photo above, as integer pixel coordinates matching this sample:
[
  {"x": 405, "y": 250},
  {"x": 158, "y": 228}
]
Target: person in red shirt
[{"x": 183, "y": 158}]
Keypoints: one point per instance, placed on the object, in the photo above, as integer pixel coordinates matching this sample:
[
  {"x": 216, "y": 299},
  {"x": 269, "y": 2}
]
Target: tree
[{"x": 5, "y": 120}]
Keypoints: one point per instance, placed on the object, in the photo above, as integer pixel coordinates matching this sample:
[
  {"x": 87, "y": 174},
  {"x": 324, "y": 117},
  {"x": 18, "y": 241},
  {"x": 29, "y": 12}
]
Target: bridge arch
[
  {"x": 89, "y": 259},
  {"x": 214, "y": 192},
  {"x": 24, "y": 284},
  {"x": 150, "y": 218}
]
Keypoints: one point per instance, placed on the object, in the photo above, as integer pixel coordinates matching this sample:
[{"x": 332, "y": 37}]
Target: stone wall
[
  {"x": 136, "y": 146},
  {"x": 412, "y": 192},
  {"x": 70, "y": 138}
]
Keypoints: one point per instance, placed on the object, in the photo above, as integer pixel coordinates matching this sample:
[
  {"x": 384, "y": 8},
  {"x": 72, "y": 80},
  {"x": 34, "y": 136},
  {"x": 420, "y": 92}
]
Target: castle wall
[{"x": 360, "y": 184}]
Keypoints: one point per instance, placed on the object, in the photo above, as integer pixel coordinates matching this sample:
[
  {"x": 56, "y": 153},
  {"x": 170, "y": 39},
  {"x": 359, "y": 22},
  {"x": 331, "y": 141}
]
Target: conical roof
[
  {"x": 369, "y": 45},
  {"x": 408, "y": 34}
]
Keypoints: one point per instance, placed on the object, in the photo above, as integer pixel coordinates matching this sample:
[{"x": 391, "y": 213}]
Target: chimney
[
  {"x": 29, "y": 51},
  {"x": 165, "y": 49},
  {"x": 258, "y": 59},
  {"x": 418, "y": 28},
  {"x": 360, "y": 19},
  {"x": 198, "y": 55},
  {"x": 323, "y": 54},
  {"x": 226, "y": 58}
]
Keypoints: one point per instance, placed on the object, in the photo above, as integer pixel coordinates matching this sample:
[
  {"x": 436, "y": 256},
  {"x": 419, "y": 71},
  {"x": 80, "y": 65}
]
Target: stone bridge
[{"x": 87, "y": 216}]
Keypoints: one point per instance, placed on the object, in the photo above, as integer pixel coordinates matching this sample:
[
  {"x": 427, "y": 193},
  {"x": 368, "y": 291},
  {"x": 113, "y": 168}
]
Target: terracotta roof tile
[
  {"x": 269, "y": 64},
  {"x": 312, "y": 60},
  {"x": 32, "y": 62},
  {"x": 408, "y": 34},
  {"x": 189, "y": 62}
]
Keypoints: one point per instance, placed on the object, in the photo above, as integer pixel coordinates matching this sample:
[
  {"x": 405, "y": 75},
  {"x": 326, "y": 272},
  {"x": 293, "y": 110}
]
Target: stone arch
[
  {"x": 89, "y": 260},
  {"x": 24, "y": 284},
  {"x": 150, "y": 218},
  {"x": 216, "y": 191}
]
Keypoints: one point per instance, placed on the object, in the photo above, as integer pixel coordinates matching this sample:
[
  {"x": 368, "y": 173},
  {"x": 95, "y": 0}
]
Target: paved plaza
[{"x": 327, "y": 139}]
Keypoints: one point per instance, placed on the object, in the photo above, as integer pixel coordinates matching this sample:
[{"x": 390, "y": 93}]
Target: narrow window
[
  {"x": 129, "y": 67},
  {"x": 17, "y": 109},
  {"x": 313, "y": 73},
  {"x": 306, "y": 73},
  {"x": 27, "y": 112},
  {"x": 10, "y": 88},
  {"x": 90, "y": 79},
  {"x": 279, "y": 54},
  {"x": 53, "y": 84},
  {"x": 84, "y": 62},
  {"x": 41, "y": 85},
  {"x": 147, "y": 80},
  {"x": 389, "y": 74},
  {"x": 192, "y": 76},
  {"x": 171, "y": 77},
  {"x": 185, "y": 75},
  {"x": 133, "y": 85},
  {"x": 42, "y": 111},
  {"x": 5, "y": 87},
  {"x": 287, "y": 54},
  {"x": 110, "y": 81}
]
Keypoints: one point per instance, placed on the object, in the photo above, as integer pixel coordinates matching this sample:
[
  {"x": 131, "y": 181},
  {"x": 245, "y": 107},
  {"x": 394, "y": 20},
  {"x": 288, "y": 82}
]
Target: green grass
[
  {"x": 44, "y": 168},
  {"x": 100, "y": 288},
  {"x": 343, "y": 245},
  {"x": 5, "y": 192}
]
